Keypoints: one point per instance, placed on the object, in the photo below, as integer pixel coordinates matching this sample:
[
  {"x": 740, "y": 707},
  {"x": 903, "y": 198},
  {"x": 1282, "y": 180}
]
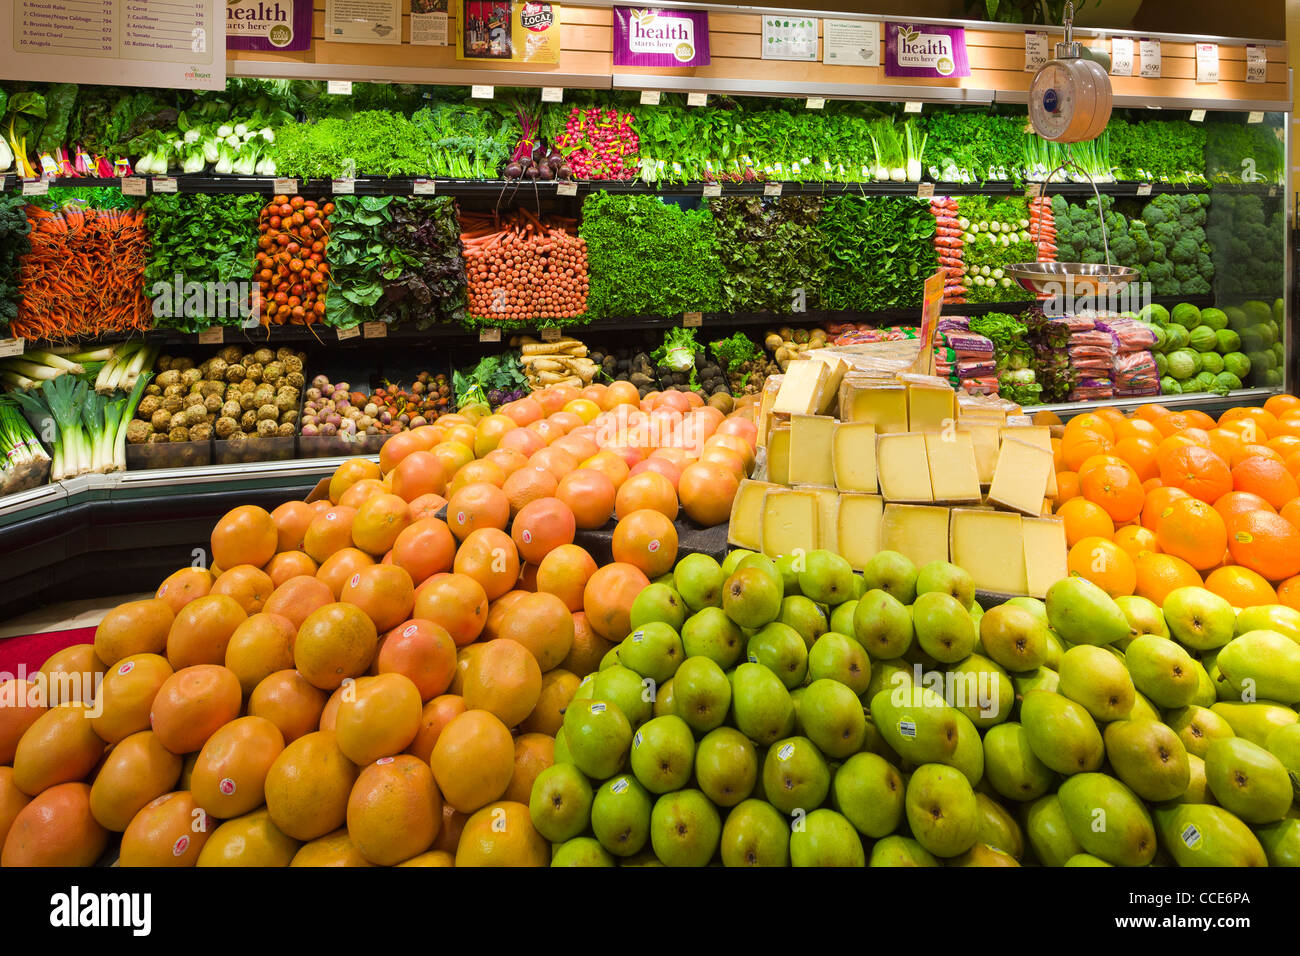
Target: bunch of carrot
[
  {"x": 950, "y": 248},
  {"x": 84, "y": 275},
  {"x": 1042, "y": 231},
  {"x": 291, "y": 270},
  {"x": 522, "y": 268}
]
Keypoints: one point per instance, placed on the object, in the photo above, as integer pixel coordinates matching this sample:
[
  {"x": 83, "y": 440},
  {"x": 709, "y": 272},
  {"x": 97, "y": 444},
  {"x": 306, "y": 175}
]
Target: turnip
[{"x": 310, "y": 431}]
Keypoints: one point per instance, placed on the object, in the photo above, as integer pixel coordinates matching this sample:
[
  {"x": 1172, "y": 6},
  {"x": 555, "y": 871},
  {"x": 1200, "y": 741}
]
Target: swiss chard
[{"x": 879, "y": 253}]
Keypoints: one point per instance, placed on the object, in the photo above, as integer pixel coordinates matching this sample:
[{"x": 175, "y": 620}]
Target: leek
[
  {"x": 33, "y": 370},
  {"x": 55, "y": 361},
  {"x": 93, "y": 411},
  {"x": 126, "y": 413}
]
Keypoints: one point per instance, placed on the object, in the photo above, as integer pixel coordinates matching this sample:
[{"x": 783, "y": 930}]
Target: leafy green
[
  {"x": 974, "y": 144},
  {"x": 1149, "y": 150},
  {"x": 499, "y": 374},
  {"x": 879, "y": 252},
  {"x": 1243, "y": 152},
  {"x": 14, "y": 244},
  {"x": 734, "y": 351},
  {"x": 425, "y": 282},
  {"x": 771, "y": 251}
]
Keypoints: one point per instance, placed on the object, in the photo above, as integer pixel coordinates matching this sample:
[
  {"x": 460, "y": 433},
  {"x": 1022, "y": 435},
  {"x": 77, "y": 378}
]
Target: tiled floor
[{"x": 65, "y": 616}]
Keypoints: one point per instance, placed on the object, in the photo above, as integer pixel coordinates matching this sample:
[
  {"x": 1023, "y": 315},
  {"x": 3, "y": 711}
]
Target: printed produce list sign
[
  {"x": 167, "y": 43},
  {"x": 508, "y": 32},
  {"x": 654, "y": 36},
  {"x": 278, "y": 25},
  {"x": 925, "y": 50},
  {"x": 363, "y": 21}
]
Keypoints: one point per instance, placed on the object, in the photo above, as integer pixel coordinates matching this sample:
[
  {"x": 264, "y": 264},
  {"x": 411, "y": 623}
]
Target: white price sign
[
  {"x": 423, "y": 187},
  {"x": 697, "y": 99},
  {"x": 352, "y": 333},
  {"x": 650, "y": 97},
  {"x": 482, "y": 92},
  {"x": 1207, "y": 63},
  {"x": 164, "y": 184},
  {"x": 135, "y": 186},
  {"x": 771, "y": 189},
  {"x": 566, "y": 189},
  {"x": 344, "y": 187},
  {"x": 1256, "y": 64},
  {"x": 375, "y": 330},
  {"x": 912, "y": 106},
  {"x": 10, "y": 347},
  {"x": 1033, "y": 190},
  {"x": 692, "y": 320},
  {"x": 1198, "y": 116},
  {"x": 286, "y": 187},
  {"x": 1255, "y": 116},
  {"x": 36, "y": 187},
  {"x": 1121, "y": 56},
  {"x": 212, "y": 336},
  {"x": 552, "y": 333},
  {"x": 1035, "y": 51},
  {"x": 489, "y": 335},
  {"x": 816, "y": 103},
  {"x": 1144, "y": 189},
  {"x": 552, "y": 94},
  {"x": 338, "y": 87},
  {"x": 1149, "y": 58},
  {"x": 925, "y": 190},
  {"x": 712, "y": 190}
]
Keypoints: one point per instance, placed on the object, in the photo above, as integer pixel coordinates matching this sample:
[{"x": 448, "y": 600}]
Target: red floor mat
[{"x": 33, "y": 650}]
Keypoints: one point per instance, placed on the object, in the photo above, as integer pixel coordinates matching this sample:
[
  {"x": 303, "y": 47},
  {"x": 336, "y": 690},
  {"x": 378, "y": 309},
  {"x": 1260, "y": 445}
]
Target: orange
[
  {"x": 647, "y": 490},
  {"x": 202, "y": 630},
  {"x": 497, "y": 612},
  {"x": 136, "y": 627},
  {"x": 1267, "y": 478},
  {"x": 287, "y": 700},
  {"x": 1116, "y": 487},
  {"x": 1279, "y": 405},
  {"x": 1091, "y": 422},
  {"x": 1169, "y": 445},
  {"x": 333, "y": 850},
  {"x": 533, "y": 754},
  {"x": 136, "y": 771},
  {"x": 1284, "y": 445},
  {"x": 564, "y": 573},
  {"x": 607, "y": 463},
  {"x": 379, "y": 718},
  {"x": 329, "y": 531},
  {"x": 543, "y": 625},
  {"x": 1235, "y": 502},
  {"x": 1160, "y": 574},
  {"x": 1240, "y": 587},
  {"x": 1198, "y": 419},
  {"x": 473, "y": 472},
  {"x": 396, "y": 449},
  {"x": 24, "y": 702},
  {"x": 1150, "y": 412},
  {"x": 1067, "y": 486},
  {"x": 307, "y": 787},
  {"x": 436, "y": 715},
  {"x": 473, "y": 760},
  {"x": 706, "y": 490},
  {"x": 244, "y": 535},
  {"x": 59, "y": 747},
  {"x": 1158, "y": 501},
  {"x": 1247, "y": 452},
  {"x": 1198, "y": 471},
  {"x": 504, "y": 679},
  {"x": 1137, "y": 428},
  {"x": 646, "y": 540},
  {"x": 1291, "y": 511},
  {"x": 1081, "y": 444},
  {"x": 490, "y": 557},
  {"x": 1226, "y": 443},
  {"x": 452, "y": 455},
  {"x": 250, "y": 840},
  {"x": 363, "y": 491},
  {"x": 298, "y": 597},
  {"x": 335, "y": 642},
  {"x": 1292, "y": 463},
  {"x": 70, "y": 674},
  {"x": 1192, "y": 530},
  {"x": 127, "y": 694},
  {"x": 192, "y": 704},
  {"x": 181, "y": 587},
  {"x": 456, "y": 602},
  {"x": 426, "y": 506},
  {"x": 384, "y": 592},
  {"x": 541, "y": 526},
  {"x": 607, "y": 599},
  {"x": 1105, "y": 564},
  {"x": 1140, "y": 454},
  {"x": 502, "y": 834},
  {"x": 590, "y": 495},
  {"x": 1174, "y": 422},
  {"x": 589, "y": 648},
  {"x": 1288, "y": 592},
  {"x": 1151, "y": 484},
  {"x": 1135, "y": 539},
  {"x": 1265, "y": 422},
  {"x": 394, "y": 810},
  {"x": 1083, "y": 519},
  {"x": 378, "y": 522},
  {"x": 421, "y": 651},
  {"x": 248, "y": 585},
  {"x": 339, "y": 567},
  {"x": 229, "y": 777},
  {"x": 424, "y": 548},
  {"x": 289, "y": 564},
  {"x": 477, "y": 505},
  {"x": 558, "y": 688},
  {"x": 419, "y": 473},
  {"x": 528, "y": 484},
  {"x": 55, "y": 829},
  {"x": 1266, "y": 543},
  {"x": 260, "y": 646}
]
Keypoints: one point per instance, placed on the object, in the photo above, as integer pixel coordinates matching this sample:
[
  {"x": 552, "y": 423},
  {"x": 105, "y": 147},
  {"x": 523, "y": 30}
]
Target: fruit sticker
[
  {"x": 1191, "y": 836},
  {"x": 226, "y": 786},
  {"x": 638, "y": 637},
  {"x": 636, "y": 741},
  {"x": 410, "y": 629},
  {"x": 907, "y": 728},
  {"x": 383, "y": 761},
  {"x": 597, "y": 708},
  {"x": 126, "y": 667},
  {"x": 161, "y": 591},
  {"x": 180, "y": 846},
  {"x": 786, "y": 752},
  {"x": 619, "y": 785},
  {"x": 653, "y": 546},
  {"x": 461, "y": 518},
  {"x": 527, "y": 536}
]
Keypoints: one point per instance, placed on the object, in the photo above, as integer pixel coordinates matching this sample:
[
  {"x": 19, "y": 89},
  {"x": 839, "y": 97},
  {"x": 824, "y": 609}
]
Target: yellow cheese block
[
  {"x": 1040, "y": 435},
  {"x": 766, "y": 399},
  {"x": 919, "y": 532},
  {"x": 953, "y": 473},
  {"x": 930, "y": 408},
  {"x": 837, "y": 367},
  {"x": 1045, "y": 554},
  {"x": 1020, "y": 479},
  {"x": 790, "y": 522},
  {"x": 985, "y": 439},
  {"x": 810, "y": 450},
  {"x": 859, "y": 528},
  {"x": 778, "y": 455},
  {"x": 990, "y": 546},
  {"x": 746, "y": 527},
  {"x": 801, "y": 392},
  {"x": 828, "y": 515},
  {"x": 884, "y": 406},
  {"x": 903, "y": 467},
  {"x": 853, "y": 457}
]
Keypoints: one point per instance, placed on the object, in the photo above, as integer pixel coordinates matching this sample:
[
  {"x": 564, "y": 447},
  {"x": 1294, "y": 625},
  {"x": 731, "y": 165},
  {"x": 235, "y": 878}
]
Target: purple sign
[
  {"x": 274, "y": 26},
  {"x": 654, "y": 36},
  {"x": 925, "y": 50}
]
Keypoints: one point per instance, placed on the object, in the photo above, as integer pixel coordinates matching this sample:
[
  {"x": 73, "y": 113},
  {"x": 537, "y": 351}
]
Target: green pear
[
  {"x": 1041, "y": 679},
  {"x": 1054, "y": 649},
  {"x": 560, "y": 802},
  {"x": 1284, "y": 744},
  {"x": 1197, "y": 727},
  {"x": 710, "y": 633},
  {"x": 654, "y": 651},
  {"x": 780, "y": 649},
  {"x": 1034, "y": 606},
  {"x": 1162, "y": 671},
  {"x": 665, "y": 700},
  {"x": 946, "y": 578},
  {"x": 1248, "y": 780},
  {"x": 886, "y": 675},
  {"x": 1149, "y": 757},
  {"x": 733, "y": 559},
  {"x": 805, "y": 616},
  {"x": 562, "y": 754},
  {"x": 598, "y": 737},
  {"x": 944, "y": 628},
  {"x": 795, "y": 775},
  {"x": 985, "y": 693},
  {"x": 1198, "y": 619},
  {"x": 1082, "y": 613},
  {"x": 839, "y": 658},
  {"x": 663, "y": 754},
  {"x": 998, "y": 828},
  {"x": 1143, "y": 709},
  {"x": 831, "y": 716},
  {"x": 787, "y": 564},
  {"x": 796, "y": 698},
  {"x": 900, "y": 851},
  {"x": 610, "y": 658},
  {"x": 1010, "y": 766},
  {"x": 1048, "y": 833},
  {"x": 1108, "y": 819},
  {"x": 1262, "y": 664},
  {"x": 869, "y": 790},
  {"x": 685, "y": 829},
  {"x": 892, "y": 572},
  {"x": 586, "y": 687},
  {"x": 582, "y": 851},
  {"x": 628, "y": 691},
  {"x": 1097, "y": 679},
  {"x": 882, "y": 625},
  {"x": 755, "y": 834},
  {"x": 1144, "y": 616},
  {"x": 701, "y": 694},
  {"x": 1201, "y": 834},
  {"x": 1085, "y": 859},
  {"x": 824, "y": 838},
  {"x": 976, "y": 611},
  {"x": 1014, "y": 638},
  {"x": 726, "y": 766},
  {"x": 841, "y": 619},
  {"x": 982, "y": 855},
  {"x": 941, "y": 810},
  {"x": 620, "y": 815},
  {"x": 1269, "y": 617},
  {"x": 1255, "y": 721},
  {"x": 751, "y": 597},
  {"x": 699, "y": 580},
  {"x": 1206, "y": 692},
  {"x": 658, "y": 603},
  {"x": 827, "y": 578},
  {"x": 968, "y": 756},
  {"x": 1198, "y": 788},
  {"x": 1062, "y": 734},
  {"x": 760, "y": 704},
  {"x": 765, "y": 564},
  {"x": 1281, "y": 842},
  {"x": 916, "y": 723}
]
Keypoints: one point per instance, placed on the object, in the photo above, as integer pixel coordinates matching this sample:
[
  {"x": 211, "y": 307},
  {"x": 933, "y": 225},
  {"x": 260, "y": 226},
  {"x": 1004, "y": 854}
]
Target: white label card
[
  {"x": 1033, "y": 190},
  {"x": 1149, "y": 58},
  {"x": 36, "y": 187},
  {"x": 566, "y": 189},
  {"x": 479, "y": 92},
  {"x": 1256, "y": 64},
  {"x": 423, "y": 187},
  {"x": 1198, "y": 116},
  {"x": 286, "y": 187},
  {"x": 1255, "y": 116},
  {"x": 135, "y": 186},
  {"x": 912, "y": 107},
  {"x": 375, "y": 330},
  {"x": 771, "y": 189},
  {"x": 1207, "y": 63},
  {"x": 851, "y": 42},
  {"x": 489, "y": 335},
  {"x": 352, "y": 333},
  {"x": 552, "y": 94},
  {"x": 10, "y": 347},
  {"x": 925, "y": 190},
  {"x": 552, "y": 333},
  {"x": 1144, "y": 189},
  {"x": 650, "y": 97},
  {"x": 1121, "y": 56},
  {"x": 339, "y": 87},
  {"x": 344, "y": 187},
  {"x": 212, "y": 336},
  {"x": 712, "y": 190},
  {"x": 816, "y": 103},
  {"x": 692, "y": 320},
  {"x": 1035, "y": 51},
  {"x": 697, "y": 99},
  {"x": 164, "y": 184}
]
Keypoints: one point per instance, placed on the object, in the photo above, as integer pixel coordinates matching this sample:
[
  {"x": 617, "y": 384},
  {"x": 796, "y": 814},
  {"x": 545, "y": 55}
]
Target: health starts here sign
[
  {"x": 654, "y": 36},
  {"x": 925, "y": 50}
]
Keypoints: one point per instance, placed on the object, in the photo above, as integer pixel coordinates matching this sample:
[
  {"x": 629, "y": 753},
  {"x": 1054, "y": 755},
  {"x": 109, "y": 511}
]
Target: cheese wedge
[
  {"x": 919, "y": 532},
  {"x": 930, "y": 408},
  {"x": 837, "y": 367},
  {"x": 954, "y": 475},
  {"x": 903, "y": 467},
  {"x": 828, "y": 515},
  {"x": 1020, "y": 479},
  {"x": 810, "y": 450},
  {"x": 986, "y": 440},
  {"x": 853, "y": 457},
  {"x": 1045, "y": 554},
  {"x": 790, "y": 522},
  {"x": 801, "y": 392},
  {"x": 990, "y": 546},
  {"x": 1040, "y": 435},
  {"x": 859, "y": 528},
  {"x": 884, "y": 406},
  {"x": 778, "y": 455},
  {"x": 746, "y": 527}
]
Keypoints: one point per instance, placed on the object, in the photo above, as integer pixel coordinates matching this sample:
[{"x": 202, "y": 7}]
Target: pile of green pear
[{"x": 796, "y": 713}]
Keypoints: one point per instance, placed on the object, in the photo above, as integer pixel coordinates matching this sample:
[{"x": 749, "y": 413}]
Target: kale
[
  {"x": 772, "y": 253},
  {"x": 1147, "y": 149},
  {"x": 879, "y": 251},
  {"x": 14, "y": 244}
]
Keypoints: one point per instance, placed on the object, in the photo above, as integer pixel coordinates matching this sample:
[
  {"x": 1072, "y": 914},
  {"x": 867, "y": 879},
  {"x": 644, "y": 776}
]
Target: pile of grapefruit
[{"x": 356, "y": 681}]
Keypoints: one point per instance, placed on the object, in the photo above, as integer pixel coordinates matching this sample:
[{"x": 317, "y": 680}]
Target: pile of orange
[
  {"x": 355, "y": 680},
  {"x": 1163, "y": 499}
]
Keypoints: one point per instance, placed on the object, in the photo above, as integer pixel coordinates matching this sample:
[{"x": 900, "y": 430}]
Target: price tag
[
  {"x": 1144, "y": 189},
  {"x": 1207, "y": 63},
  {"x": 482, "y": 92},
  {"x": 692, "y": 320},
  {"x": 712, "y": 190},
  {"x": 911, "y": 107},
  {"x": 212, "y": 336},
  {"x": 36, "y": 187},
  {"x": 10, "y": 347},
  {"x": 924, "y": 190},
  {"x": 344, "y": 187},
  {"x": 552, "y": 333},
  {"x": 697, "y": 99},
  {"x": 1033, "y": 190},
  {"x": 4, "y": 182},
  {"x": 772, "y": 189},
  {"x": 1198, "y": 116},
  {"x": 552, "y": 94},
  {"x": 489, "y": 335},
  {"x": 352, "y": 333},
  {"x": 1256, "y": 63},
  {"x": 816, "y": 103},
  {"x": 286, "y": 187},
  {"x": 569, "y": 188},
  {"x": 339, "y": 87},
  {"x": 134, "y": 186},
  {"x": 375, "y": 330},
  {"x": 1121, "y": 56},
  {"x": 423, "y": 187},
  {"x": 650, "y": 97},
  {"x": 1255, "y": 116},
  {"x": 1035, "y": 51},
  {"x": 1149, "y": 58},
  {"x": 164, "y": 184}
]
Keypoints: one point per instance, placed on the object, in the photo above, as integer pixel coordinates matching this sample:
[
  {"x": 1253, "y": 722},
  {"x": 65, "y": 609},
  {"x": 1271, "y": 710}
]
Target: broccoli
[
  {"x": 1197, "y": 285},
  {"x": 1154, "y": 215},
  {"x": 1184, "y": 271},
  {"x": 1157, "y": 252},
  {"x": 1204, "y": 264},
  {"x": 1144, "y": 251},
  {"x": 1123, "y": 249},
  {"x": 1185, "y": 250},
  {"x": 1166, "y": 232}
]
